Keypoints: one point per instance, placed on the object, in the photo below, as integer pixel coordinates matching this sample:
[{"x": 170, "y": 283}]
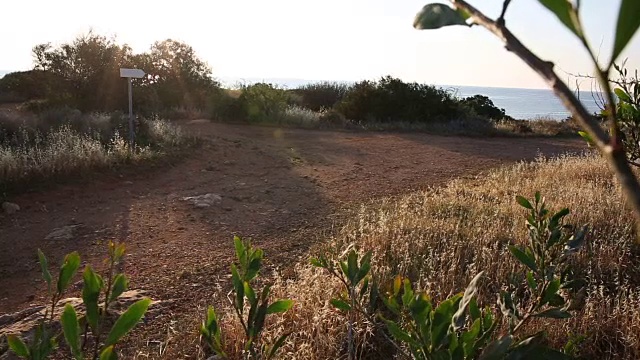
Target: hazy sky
[{"x": 318, "y": 40}]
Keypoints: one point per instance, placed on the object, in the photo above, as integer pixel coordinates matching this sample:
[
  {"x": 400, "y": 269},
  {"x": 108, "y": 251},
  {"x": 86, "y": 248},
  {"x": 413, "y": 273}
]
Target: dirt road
[{"x": 281, "y": 187}]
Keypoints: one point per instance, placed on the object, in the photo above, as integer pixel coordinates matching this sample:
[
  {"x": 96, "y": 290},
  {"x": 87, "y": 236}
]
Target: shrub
[
  {"x": 392, "y": 100},
  {"x": 263, "y": 102},
  {"x": 223, "y": 105},
  {"x": 318, "y": 96},
  {"x": 297, "y": 116},
  {"x": 483, "y": 106}
]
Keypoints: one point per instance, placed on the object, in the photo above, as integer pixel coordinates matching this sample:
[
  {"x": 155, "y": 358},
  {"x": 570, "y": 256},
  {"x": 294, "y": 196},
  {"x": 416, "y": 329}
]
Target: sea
[{"x": 526, "y": 104}]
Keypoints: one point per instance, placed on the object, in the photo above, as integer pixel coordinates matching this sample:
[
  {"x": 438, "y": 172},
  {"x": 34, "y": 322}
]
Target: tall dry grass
[
  {"x": 442, "y": 237},
  {"x": 39, "y": 148}
]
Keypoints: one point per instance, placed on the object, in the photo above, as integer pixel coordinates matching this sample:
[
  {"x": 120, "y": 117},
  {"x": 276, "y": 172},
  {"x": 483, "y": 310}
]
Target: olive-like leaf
[
  {"x": 71, "y": 330},
  {"x": 628, "y": 24},
  {"x": 554, "y": 313},
  {"x": 18, "y": 346},
  {"x": 566, "y": 13},
  {"x": 280, "y": 306},
  {"x": 120, "y": 284},
  {"x": 127, "y": 320},
  {"x": 108, "y": 353},
  {"x": 523, "y": 257},
  {"x": 340, "y": 304},
  {"x": 67, "y": 270},
  {"x": 44, "y": 265},
  {"x": 524, "y": 202},
  {"x": 435, "y": 16},
  {"x": 622, "y": 96}
]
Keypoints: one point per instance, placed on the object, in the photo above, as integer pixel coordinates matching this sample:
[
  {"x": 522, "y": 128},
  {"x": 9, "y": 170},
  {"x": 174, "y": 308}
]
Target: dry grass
[
  {"x": 38, "y": 148},
  {"x": 442, "y": 237}
]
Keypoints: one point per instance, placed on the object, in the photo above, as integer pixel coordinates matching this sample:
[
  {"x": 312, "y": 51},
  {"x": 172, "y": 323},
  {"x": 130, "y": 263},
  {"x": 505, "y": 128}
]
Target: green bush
[
  {"x": 262, "y": 103},
  {"x": 392, "y": 100},
  {"x": 483, "y": 106},
  {"x": 318, "y": 96}
]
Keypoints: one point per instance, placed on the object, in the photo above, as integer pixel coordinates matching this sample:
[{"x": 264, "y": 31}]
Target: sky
[{"x": 321, "y": 40}]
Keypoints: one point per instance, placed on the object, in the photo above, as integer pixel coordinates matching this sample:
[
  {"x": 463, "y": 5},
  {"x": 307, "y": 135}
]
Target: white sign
[{"x": 131, "y": 73}]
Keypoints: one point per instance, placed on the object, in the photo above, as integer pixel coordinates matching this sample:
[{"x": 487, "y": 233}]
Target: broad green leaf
[
  {"x": 71, "y": 330},
  {"x": 400, "y": 334},
  {"x": 397, "y": 283},
  {"x": 459, "y": 318},
  {"x": 566, "y": 13},
  {"x": 108, "y": 353},
  {"x": 280, "y": 306},
  {"x": 253, "y": 269},
  {"x": 238, "y": 286},
  {"x": 276, "y": 346},
  {"x": 352, "y": 266},
  {"x": 407, "y": 295},
  {"x": 90, "y": 295},
  {"x": 524, "y": 202},
  {"x": 249, "y": 293},
  {"x": 365, "y": 266},
  {"x": 44, "y": 265},
  {"x": 523, "y": 257},
  {"x": 69, "y": 267},
  {"x": 240, "y": 250},
  {"x": 340, "y": 304},
  {"x": 18, "y": 346},
  {"x": 435, "y": 16},
  {"x": 551, "y": 291},
  {"x": 622, "y": 96},
  {"x": 559, "y": 215},
  {"x": 628, "y": 24},
  {"x": 120, "y": 284},
  {"x": 474, "y": 310},
  {"x": 554, "y": 313},
  {"x": 127, "y": 321},
  {"x": 315, "y": 262},
  {"x": 497, "y": 349},
  {"x": 586, "y": 137},
  {"x": 442, "y": 319}
]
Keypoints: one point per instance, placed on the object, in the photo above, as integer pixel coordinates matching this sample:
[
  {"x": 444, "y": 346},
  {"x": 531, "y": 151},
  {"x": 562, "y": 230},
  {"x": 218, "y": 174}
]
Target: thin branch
[{"x": 612, "y": 151}]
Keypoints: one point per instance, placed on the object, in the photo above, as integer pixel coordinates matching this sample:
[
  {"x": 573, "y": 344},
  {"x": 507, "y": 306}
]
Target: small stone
[
  {"x": 63, "y": 233},
  {"x": 203, "y": 201},
  {"x": 10, "y": 208}
]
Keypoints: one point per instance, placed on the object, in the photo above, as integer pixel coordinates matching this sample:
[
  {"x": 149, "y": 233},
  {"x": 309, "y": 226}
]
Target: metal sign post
[{"x": 129, "y": 74}]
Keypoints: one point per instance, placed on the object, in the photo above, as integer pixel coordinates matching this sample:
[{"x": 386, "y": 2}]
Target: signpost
[{"x": 129, "y": 74}]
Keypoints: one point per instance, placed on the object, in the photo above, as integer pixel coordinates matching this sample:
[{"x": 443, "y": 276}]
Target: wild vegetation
[
  {"x": 56, "y": 144},
  {"x": 388, "y": 284}
]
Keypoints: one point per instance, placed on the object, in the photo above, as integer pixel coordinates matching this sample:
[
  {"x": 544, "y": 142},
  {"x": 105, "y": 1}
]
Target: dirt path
[{"x": 281, "y": 187}]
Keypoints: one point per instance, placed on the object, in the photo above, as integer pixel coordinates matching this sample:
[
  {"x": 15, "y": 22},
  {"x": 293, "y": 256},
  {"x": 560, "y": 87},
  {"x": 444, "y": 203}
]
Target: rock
[
  {"x": 204, "y": 201},
  {"x": 10, "y": 208},
  {"x": 63, "y": 233}
]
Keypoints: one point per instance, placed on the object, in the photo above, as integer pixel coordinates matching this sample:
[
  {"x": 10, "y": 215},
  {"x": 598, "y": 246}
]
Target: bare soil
[{"x": 284, "y": 188}]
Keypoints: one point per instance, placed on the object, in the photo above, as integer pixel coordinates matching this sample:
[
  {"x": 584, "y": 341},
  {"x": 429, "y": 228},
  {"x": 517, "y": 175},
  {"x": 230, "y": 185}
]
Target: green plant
[
  {"x": 457, "y": 328},
  {"x": 247, "y": 298},
  {"x": 611, "y": 144},
  {"x": 322, "y": 95},
  {"x": 263, "y": 102},
  {"x": 483, "y": 106},
  {"x": 392, "y": 100},
  {"x": 360, "y": 291},
  {"x": 627, "y": 91},
  {"x": 94, "y": 286}
]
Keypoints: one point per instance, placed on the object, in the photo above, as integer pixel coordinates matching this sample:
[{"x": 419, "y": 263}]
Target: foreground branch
[{"x": 610, "y": 148}]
